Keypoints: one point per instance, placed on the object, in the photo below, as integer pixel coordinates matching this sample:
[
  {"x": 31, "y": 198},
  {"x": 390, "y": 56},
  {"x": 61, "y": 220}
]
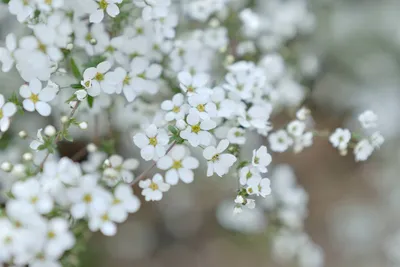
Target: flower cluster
[{"x": 121, "y": 70}]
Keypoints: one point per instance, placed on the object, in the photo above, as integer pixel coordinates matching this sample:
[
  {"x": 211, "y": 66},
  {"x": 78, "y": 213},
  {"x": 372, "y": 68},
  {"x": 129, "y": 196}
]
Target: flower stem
[
  {"x": 59, "y": 135},
  {"x": 144, "y": 173}
]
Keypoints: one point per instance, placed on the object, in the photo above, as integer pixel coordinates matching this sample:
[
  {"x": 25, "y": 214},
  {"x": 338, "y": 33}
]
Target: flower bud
[
  {"x": 83, "y": 125},
  {"x": 64, "y": 119},
  {"x": 27, "y": 156},
  {"x": 6, "y": 166},
  {"x": 91, "y": 148},
  {"x": 22, "y": 134},
  {"x": 50, "y": 130}
]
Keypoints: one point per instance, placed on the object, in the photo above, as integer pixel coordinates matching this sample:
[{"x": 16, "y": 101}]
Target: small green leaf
[
  {"x": 173, "y": 129},
  {"x": 75, "y": 71},
  {"x": 90, "y": 100},
  {"x": 76, "y": 86}
]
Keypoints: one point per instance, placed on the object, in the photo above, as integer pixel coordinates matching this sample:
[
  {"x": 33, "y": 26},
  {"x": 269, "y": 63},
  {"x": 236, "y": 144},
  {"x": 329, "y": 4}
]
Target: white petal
[
  {"x": 35, "y": 86},
  {"x": 172, "y": 177},
  {"x": 43, "y": 108},
  {"x": 78, "y": 211},
  {"x": 185, "y": 78},
  {"x": 24, "y": 91},
  {"x": 112, "y": 10},
  {"x": 164, "y": 163},
  {"x": 28, "y": 105},
  {"x": 193, "y": 118},
  {"x": 103, "y": 67},
  {"x": 186, "y": 175},
  {"x": 151, "y": 131},
  {"x": 109, "y": 228},
  {"x": 210, "y": 169},
  {"x": 178, "y": 152},
  {"x": 97, "y": 16},
  {"x": 11, "y": 42},
  {"x": 47, "y": 94},
  {"x": 208, "y": 125},
  {"x": 9, "y": 109},
  {"x": 223, "y": 144},
  {"x": 167, "y": 105},
  {"x": 190, "y": 163},
  {"x": 89, "y": 73},
  {"x": 209, "y": 152},
  {"x": 141, "y": 140},
  {"x": 160, "y": 150},
  {"x": 147, "y": 152}
]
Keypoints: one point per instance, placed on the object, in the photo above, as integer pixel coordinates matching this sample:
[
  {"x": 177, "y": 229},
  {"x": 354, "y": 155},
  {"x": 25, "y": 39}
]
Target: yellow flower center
[
  {"x": 34, "y": 98},
  {"x": 105, "y": 217},
  {"x": 7, "y": 240},
  {"x": 51, "y": 235},
  {"x": 87, "y": 198},
  {"x": 153, "y": 141},
  {"x": 88, "y": 37},
  {"x": 215, "y": 157},
  {"x": 153, "y": 186},
  {"x": 34, "y": 199},
  {"x": 42, "y": 47},
  {"x": 201, "y": 108},
  {"x": 250, "y": 190},
  {"x": 196, "y": 128},
  {"x": 103, "y": 4},
  {"x": 190, "y": 89},
  {"x": 176, "y": 109},
  {"x": 110, "y": 49},
  {"x": 127, "y": 80},
  {"x": 116, "y": 201},
  {"x": 1, "y": 114},
  {"x": 49, "y": 2},
  {"x": 177, "y": 164},
  {"x": 256, "y": 160},
  {"x": 99, "y": 76},
  {"x": 87, "y": 84}
]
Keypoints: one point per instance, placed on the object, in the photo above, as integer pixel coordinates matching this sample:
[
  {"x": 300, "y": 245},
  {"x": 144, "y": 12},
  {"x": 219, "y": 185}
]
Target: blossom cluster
[{"x": 182, "y": 97}]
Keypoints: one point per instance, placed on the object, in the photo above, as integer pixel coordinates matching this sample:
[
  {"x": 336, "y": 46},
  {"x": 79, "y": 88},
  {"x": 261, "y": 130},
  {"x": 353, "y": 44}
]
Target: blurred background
[{"x": 353, "y": 207}]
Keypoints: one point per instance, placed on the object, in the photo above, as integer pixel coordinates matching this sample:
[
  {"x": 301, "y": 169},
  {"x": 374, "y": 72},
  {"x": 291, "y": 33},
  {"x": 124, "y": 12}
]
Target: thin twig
[
  {"x": 59, "y": 135},
  {"x": 143, "y": 174}
]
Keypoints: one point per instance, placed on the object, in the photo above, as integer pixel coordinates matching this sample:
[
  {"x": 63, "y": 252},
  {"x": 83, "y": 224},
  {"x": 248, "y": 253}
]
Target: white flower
[
  {"x": 154, "y": 188},
  {"x": 31, "y": 193},
  {"x": 153, "y": 9},
  {"x": 296, "y": 128},
  {"x": 202, "y": 104},
  {"x": 105, "y": 221},
  {"x": 124, "y": 202},
  {"x": 261, "y": 159},
  {"x": 152, "y": 144},
  {"x": 179, "y": 165},
  {"x": 236, "y": 136},
  {"x": 119, "y": 169},
  {"x": 97, "y": 76},
  {"x": 7, "y": 110},
  {"x": 259, "y": 187},
  {"x": 88, "y": 199},
  {"x": 368, "y": 119},
  {"x": 191, "y": 84},
  {"x": 340, "y": 138},
  {"x": 82, "y": 94},
  {"x": 303, "y": 113},
  {"x": 218, "y": 162},
  {"x": 57, "y": 176},
  {"x": 377, "y": 139},
  {"x": 257, "y": 116},
  {"x": 37, "y": 98},
  {"x": 35, "y": 144},
  {"x": 225, "y": 107},
  {"x": 59, "y": 238},
  {"x": 247, "y": 173},
  {"x": 239, "y": 200},
  {"x": 306, "y": 140},
  {"x": 280, "y": 141},
  {"x": 21, "y": 8},
  {"x": 6, "y": 54},
  {"x": 363, "y": 150},
  {"x": 176, "y": 108},
  {"x": 7, "y": 240},
  {"x": 33, "y": 64},
  {"x": 105, "y": 5},
  {"x": 197, "y": 131}
]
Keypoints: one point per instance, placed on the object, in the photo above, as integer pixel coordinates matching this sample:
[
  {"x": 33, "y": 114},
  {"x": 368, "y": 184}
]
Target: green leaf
[
  {"x": 5, "y": 1},
  {"x": 94, "y": 61},
  {"x": 173, "y": 129},
  {"x": 90, "y": 100},
  {"x": 76, "y": 86},
  {"x": 72, "y": 98},
  {"x": 75, "y": 70}
]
